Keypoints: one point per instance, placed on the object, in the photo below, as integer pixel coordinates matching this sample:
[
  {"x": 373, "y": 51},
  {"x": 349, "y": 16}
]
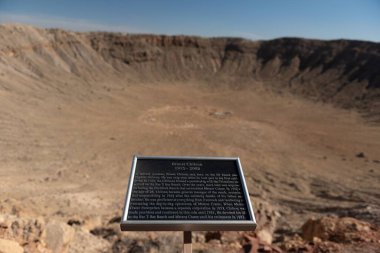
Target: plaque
[{"x": 187, "y": 194}]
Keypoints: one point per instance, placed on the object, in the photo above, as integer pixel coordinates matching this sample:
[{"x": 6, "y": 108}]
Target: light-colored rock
[
  {"x": 8, "y": 246},
  {"x": 57, "y": 236},
  {"x": 266, "y": 214},
  {"x": 316, "y": 228},
  {"x": 265, "y": 236},
  {"x": 199, "y": 237},
  {"x": 92, "y": 222},
  {"x": 86, "y": 242}
]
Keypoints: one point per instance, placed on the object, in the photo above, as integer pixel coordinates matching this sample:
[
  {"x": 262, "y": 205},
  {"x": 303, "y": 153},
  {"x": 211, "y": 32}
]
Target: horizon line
[{"x": 86, "y": 26}]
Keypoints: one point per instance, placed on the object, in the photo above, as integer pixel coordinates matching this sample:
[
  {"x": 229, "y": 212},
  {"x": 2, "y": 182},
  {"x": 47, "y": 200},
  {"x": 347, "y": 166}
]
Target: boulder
[
  {"x": 265, "y": 236},
  {"x": 341, "y": 230},
  {"x": 255, "y": 245},
  {"x": 8, "y": 246},
  {"x": 57, "y": 236},
  {"x": 87, "y": 242}
]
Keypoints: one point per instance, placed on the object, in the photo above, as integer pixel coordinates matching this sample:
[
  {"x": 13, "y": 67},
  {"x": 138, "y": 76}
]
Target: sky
[{"x": 252, "y": 19}]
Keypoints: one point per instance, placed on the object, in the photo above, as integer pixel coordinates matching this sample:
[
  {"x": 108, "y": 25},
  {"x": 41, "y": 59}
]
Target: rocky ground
[
  {"x": 327, "y": 234},
  {"x": 301, "y": 115}
]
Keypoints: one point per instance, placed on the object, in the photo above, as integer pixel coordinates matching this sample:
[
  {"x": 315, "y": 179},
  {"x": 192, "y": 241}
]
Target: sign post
[
  {"x": 187, "y": 194},
  {"x": 187, "y": 248}
]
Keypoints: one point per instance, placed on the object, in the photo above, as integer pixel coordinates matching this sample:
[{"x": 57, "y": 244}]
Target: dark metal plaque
[{"x": 187, "y": 194}]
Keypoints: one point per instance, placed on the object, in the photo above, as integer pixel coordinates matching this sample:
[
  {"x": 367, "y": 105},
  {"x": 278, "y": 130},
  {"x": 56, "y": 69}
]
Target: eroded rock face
[{"x": 342, "y": 72}]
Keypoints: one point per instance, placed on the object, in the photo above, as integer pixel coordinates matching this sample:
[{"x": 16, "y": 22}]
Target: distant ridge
[{"x": 345, "y": 73}]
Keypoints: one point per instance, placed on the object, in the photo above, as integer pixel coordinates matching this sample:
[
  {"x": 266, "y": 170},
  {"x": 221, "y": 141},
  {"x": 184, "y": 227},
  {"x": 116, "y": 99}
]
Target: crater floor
[{"x": 62, "y": 158}]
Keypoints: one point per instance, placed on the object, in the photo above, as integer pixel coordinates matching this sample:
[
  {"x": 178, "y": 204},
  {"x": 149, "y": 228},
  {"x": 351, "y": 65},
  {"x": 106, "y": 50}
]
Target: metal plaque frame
[{"x": 187, "y": 225}]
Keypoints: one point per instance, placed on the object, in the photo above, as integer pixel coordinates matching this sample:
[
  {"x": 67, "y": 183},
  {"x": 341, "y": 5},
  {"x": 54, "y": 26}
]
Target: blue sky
[{"x": 253, "y": 19}]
